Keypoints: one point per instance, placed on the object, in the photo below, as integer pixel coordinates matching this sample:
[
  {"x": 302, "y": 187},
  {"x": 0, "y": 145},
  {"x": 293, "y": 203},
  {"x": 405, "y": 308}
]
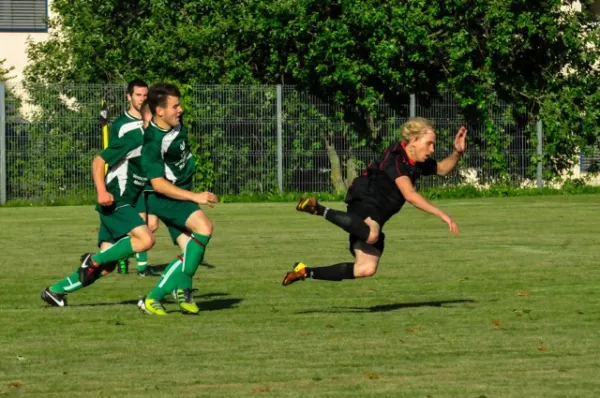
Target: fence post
[
  {"x": 2, "y": 143},
  {"x": 413, "y": 105},
  {"x": 540, "y": 153},
  {"x": 279, "y": 138}
]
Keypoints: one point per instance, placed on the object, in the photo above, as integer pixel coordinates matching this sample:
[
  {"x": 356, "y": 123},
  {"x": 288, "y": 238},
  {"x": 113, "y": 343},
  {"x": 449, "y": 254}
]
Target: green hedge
[{"x": 573, "y": 187}]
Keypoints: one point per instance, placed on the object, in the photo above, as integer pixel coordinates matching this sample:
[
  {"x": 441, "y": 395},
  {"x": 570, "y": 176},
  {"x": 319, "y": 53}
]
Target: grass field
[{"x": 509, "y": 309}]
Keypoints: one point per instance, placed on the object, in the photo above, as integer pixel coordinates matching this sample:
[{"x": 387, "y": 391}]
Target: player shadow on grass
[
  {"x": 389, "y": 307},
  {"x": 210, "y": 305},
  {"x": 217, "y": 305},
  {"x": 214, "y": 305}
]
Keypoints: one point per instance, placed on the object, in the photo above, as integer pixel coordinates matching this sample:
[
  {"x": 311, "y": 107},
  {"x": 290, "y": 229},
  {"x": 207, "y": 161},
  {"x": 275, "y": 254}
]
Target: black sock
[
  {"x": 335, "y": 272},
  {"x": 349, "y": 222},
  {"x": 320, "y": 209}
]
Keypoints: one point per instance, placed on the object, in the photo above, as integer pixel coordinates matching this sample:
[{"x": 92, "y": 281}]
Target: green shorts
[
  {"x": 116, "y": 223},
  {"x": 174, "y": 213},
  {"x": 141, "y": 206}
]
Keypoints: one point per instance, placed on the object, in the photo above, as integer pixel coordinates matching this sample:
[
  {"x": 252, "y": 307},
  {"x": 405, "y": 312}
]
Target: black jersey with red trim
[{"x": 378, "y": 184}]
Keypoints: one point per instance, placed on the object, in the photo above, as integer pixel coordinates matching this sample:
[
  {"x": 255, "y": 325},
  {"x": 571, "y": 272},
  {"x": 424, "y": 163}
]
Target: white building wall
[{"x": 13, "y": 48}]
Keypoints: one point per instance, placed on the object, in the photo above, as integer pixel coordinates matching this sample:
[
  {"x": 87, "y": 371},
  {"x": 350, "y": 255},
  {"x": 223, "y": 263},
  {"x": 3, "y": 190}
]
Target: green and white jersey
[
  {"x": 125, "y": 178},
  {"x": 118, "y": 123},
  {"x": 167, "y": 154}
]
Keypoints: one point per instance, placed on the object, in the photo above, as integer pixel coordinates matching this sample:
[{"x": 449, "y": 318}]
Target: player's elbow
[{"x": 442, "y": 171}]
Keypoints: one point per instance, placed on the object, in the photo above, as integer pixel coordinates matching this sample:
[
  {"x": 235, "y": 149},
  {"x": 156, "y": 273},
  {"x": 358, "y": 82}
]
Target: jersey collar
[
  {"x": 410, "y": 160},
  {"x": 130, "y": 116},
  {"x": 159, "y": 128}
]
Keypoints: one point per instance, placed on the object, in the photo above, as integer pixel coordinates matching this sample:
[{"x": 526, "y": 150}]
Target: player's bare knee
[
  {"x": 145, "y": 241},
  {"x": 203, "y": 227},
  {"x": 364, "y": 270},
  {"x": 150, "y": 241},
  {"x": 208, "y": 228}
]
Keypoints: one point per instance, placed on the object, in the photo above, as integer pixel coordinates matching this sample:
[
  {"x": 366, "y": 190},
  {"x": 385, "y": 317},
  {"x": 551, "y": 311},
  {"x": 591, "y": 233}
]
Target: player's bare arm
[
  {"x": 164, "y": 187},
  {"x": 414, "y": 198},
  {"x": 104, "y": 197},
  {"x": 445, "y": 166}
]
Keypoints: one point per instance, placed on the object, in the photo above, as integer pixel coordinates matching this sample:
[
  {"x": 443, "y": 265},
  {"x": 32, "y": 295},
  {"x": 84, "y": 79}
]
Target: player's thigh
[
  {"x": 175, "y": 213},
  {"x": 143, "y": 217},
  {"x": 145, "y": 212},
  {"x": 369, "y": 211},
  {"x": 198, "y": 222},
  {"x": 178, "y": 235},
  {"x": 182, "y": 240},
  {"x": 367, "y": 255},
  {"x": 151, "y": 221},
  {"x": 142, "y": 238},
  {"x": 374, "y": 230},
  {"x": 119, "y": 222},
  {"x": 105, "y": 238}
]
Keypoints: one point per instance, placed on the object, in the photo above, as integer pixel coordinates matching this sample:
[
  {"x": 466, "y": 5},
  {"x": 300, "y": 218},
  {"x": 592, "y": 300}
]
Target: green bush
[{"x": 457, "y": 192}]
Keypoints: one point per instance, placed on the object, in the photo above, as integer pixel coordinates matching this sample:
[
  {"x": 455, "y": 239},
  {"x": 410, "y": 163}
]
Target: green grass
[{"x": 509, "y": 309}]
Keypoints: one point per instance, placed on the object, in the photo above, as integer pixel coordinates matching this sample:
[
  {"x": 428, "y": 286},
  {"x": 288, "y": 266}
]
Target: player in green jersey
[
  {"x": 137, "y": 91},
  {"x": 122, "y": 231},
  {"x": 169, "y": 166},
  {"x": 143, "y": 265}
]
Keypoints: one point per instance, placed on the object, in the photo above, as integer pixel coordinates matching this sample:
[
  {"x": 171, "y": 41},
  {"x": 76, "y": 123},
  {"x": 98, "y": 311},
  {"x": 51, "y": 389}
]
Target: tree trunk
[
  {"x": 351, "y": 172},
  {"x": 337, "y": 179}
]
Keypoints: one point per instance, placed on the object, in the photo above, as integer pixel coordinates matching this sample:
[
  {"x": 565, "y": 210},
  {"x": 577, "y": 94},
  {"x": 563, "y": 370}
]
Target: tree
[
  {"x": 354, "y": 54},
  {"x": 13, "y": 103}
]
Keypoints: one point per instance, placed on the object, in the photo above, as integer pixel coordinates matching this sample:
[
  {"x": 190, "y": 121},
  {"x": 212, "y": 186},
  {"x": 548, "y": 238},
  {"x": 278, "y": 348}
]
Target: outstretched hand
[
  {"x": 460, "y": 141},
  {"x": 452, "y": 226},
  {"x": 206, "y": 198}
]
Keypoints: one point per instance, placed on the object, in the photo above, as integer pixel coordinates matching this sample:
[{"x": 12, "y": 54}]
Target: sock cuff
[{"x": 204, "y": 239}]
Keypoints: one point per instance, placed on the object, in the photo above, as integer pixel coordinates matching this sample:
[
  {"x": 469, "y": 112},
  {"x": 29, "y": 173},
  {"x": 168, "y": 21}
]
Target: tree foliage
[{"x": 538, "y": 56}]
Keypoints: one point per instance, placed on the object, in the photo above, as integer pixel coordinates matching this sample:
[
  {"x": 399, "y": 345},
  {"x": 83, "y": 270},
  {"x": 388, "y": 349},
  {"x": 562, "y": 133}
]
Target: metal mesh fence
[
  {"x": 236, "y": 132},
  {"x": 477, "y": 166},
  {"x": 52, "y": 135},
  {"x": 53, "y": 132}
]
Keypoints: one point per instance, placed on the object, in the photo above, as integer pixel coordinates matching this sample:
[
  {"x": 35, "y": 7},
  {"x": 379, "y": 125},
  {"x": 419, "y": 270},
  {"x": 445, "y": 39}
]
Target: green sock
[
  {"x": 194, "y": 253},
  {"x": 68, "y": 285},
  {"x": 185, "y": 281},
  {"x": 142, "y": 260},
  {"x": 168, "y": 281},
  {"x": 121, "y": 249}
]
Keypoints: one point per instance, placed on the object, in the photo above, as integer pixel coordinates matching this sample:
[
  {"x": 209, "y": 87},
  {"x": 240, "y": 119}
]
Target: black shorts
[
  {"x": 365, "y": 209},
  {"x": 363, "y": 200},
  {"x": 379, "y": 245}
]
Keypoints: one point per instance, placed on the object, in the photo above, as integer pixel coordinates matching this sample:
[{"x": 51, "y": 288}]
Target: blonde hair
[{"x": 415, "y": 127}]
